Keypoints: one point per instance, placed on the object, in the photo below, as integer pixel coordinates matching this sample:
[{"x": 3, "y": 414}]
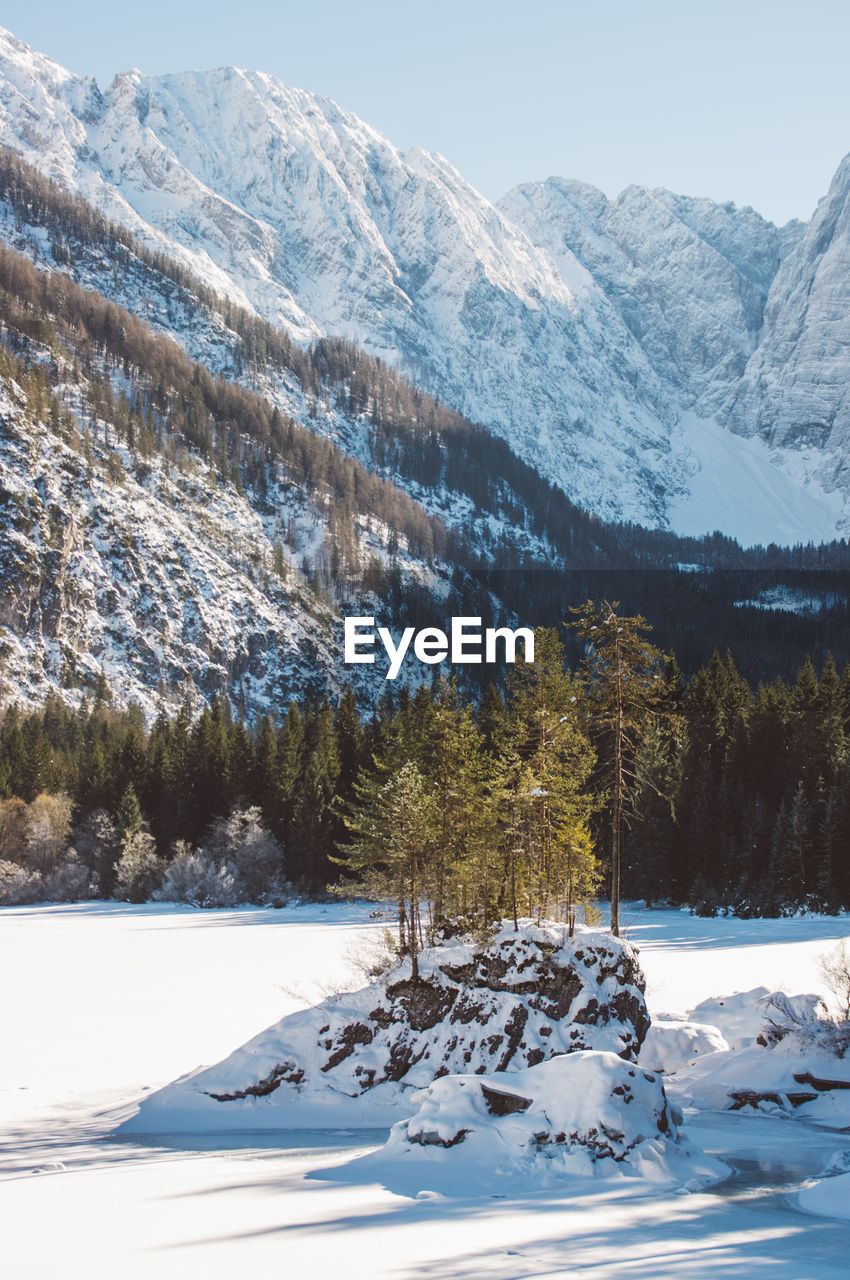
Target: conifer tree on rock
[
  {"x": 393, "y": 829},
  {"x": 623, "y": 679},
  {"x": 547, "y": 766}
]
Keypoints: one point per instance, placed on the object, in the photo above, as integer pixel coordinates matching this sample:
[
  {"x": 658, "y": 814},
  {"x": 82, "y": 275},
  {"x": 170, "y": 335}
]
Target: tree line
[{"x": 616, "y": 776}]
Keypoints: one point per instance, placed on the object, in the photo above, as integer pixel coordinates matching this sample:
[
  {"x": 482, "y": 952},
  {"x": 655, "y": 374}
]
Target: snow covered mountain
[
  {"x": 688, "y": 277},
  {"x": 153, "y": 579},
  {"x": 606, "y": 341},
  {"x": 794, "y": 392}
]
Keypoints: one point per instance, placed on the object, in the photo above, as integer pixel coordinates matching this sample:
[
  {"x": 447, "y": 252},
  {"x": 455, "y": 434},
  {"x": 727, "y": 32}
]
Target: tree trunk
[{"x": 617, "y": 800}]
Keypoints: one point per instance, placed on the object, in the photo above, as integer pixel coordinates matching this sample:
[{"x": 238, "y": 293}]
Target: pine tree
[
  {"x": 12, "y": 754},
  {"x": 492, "y": 719},
  {"x": 291, "y": 752},
  {"x": 807, "y": 745},
  {"x": 265, "y": 773},
  {"x": 129, "y": 813},
  {"x": 557, "y": 860},
  {"x": 313, "y": 821},
  {"x": 209, "y": 768},
  {"x": 651, "y": 847},
  {"x": 830, "y": 712},
  {"x": 392, "y": 834},
  {"x": 623, "y": 678},
  {"x": 350, "y": 742},
  {"x": 463, "y": 869}
]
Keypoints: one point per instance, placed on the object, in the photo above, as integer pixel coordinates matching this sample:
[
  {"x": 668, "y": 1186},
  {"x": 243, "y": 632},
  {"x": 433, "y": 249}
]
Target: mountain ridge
[{"x": 293, "y": 207}]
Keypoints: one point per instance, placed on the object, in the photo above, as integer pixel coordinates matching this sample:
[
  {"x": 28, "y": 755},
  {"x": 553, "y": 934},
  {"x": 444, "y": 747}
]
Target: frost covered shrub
[
  {"x": 97, "y": 841},
  {"x": 804, "y": 1023},
  {"x": 71, "y": 881},
  {"x": 195, "y": 878},
  {"x": 240, "y": 861},
  {"x": 241, "y": 843},
  {"x": 834, "y": 968},
  {"x": 139, "y": 871},
  {"x": 18, "y": 885}
]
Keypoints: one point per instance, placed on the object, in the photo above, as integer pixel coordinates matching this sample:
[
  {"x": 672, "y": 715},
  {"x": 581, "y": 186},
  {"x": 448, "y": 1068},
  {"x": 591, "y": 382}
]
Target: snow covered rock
[
  {"x": 739, "y": 1017},
  {"x": 585, "y": 1114},
  {"x": 798, "y": 1066},
  {"x": 503, "y": 1006},
  {"x": 671, "y": 1044},
  {"x": 826, "y": 1197},
  {"x": 829, "y": 1195}
]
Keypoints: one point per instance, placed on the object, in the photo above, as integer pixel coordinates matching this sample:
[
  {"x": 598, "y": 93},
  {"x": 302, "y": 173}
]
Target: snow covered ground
[{"x": 102, "y": 1002}]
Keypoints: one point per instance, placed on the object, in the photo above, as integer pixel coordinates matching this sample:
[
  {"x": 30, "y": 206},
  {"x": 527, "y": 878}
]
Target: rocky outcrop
[
  {"x": 503, "y": 1006},
  {"x": 594, "y": 1101}
]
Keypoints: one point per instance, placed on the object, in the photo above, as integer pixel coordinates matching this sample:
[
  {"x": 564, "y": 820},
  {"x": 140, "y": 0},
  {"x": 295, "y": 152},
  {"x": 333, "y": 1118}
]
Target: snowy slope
[
  {"x": 158, "y": 581},
  {"x": 747, "y": 326},
  {"x": 689, "y": 277},
  {"x": 577, "y": 328}
]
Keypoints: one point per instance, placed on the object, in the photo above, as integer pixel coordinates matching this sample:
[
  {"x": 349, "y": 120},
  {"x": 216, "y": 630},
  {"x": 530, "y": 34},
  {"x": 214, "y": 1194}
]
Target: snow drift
[
  {"x": 586, "y": 1114},
  {"x": 672, "y": 1043},
  {"x": 798, "y": 1065},
  {"x": 501, "y": 1006}
]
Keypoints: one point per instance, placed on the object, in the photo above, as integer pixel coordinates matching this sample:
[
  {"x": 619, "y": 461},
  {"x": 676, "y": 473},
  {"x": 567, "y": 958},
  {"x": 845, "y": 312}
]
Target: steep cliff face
[
  {"x": 794, "y": 392},
  {"x": 689, "y": 277}
]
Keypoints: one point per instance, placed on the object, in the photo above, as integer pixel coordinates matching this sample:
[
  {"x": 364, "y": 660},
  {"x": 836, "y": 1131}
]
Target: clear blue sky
[{"x": 744, "y": 101}]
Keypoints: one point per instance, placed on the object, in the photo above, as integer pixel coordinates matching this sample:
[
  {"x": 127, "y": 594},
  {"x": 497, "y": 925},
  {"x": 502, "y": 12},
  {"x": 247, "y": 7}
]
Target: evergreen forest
[{"x": 702, "y": 791}]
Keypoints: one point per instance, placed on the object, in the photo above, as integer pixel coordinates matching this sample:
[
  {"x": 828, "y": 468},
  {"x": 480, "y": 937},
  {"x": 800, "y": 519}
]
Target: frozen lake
[{"x": 102, "y": 1002}]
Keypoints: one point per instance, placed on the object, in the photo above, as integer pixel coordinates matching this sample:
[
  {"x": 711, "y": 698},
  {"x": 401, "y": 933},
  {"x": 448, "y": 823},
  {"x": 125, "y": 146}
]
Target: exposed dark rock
[
  {"x": 821, "y": 1083},
  {"x": 346, "y": 1042},
  {"x": 513, "y": 1030},
  {"x": 504, "y": 1104},
  {"x": 402, "y": 1058},
  {"x": 503, "y": 1006},
  {"x": 286, "y": 1072},
  {"x": 432, "y": 1139},
  {"x": 424, "y": 1003},
  {"x": 752, "y": 1097}
]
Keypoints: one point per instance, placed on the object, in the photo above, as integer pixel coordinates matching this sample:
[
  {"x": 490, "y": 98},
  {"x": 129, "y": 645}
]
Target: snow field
[{"x": 107, "y": 999}]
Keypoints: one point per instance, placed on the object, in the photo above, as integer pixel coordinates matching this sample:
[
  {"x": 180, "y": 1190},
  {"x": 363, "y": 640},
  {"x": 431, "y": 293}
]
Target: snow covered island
[{"x": 504, "y": 1005}]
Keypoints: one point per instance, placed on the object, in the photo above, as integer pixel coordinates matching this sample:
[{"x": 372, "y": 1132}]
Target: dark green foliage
[{"x": 741, "y": 797}]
